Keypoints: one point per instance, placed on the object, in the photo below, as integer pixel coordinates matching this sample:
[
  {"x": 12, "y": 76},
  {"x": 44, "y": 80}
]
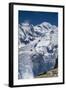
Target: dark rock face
[
  {"x": 38, "y": 64},
  {"x": 56, "y": 63}
]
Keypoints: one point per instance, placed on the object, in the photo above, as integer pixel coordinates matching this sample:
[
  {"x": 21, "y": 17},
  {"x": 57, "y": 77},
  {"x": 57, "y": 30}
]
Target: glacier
[{"x": 37, "y": 49}]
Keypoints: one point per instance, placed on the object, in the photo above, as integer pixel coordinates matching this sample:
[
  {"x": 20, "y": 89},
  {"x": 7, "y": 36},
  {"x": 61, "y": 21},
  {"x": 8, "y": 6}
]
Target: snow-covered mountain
[
  {"x": 29, "y": 32},
  {"x": 40, "y": 44}
]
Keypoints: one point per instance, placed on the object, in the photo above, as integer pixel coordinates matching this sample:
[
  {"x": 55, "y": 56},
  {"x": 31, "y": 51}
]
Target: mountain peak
[{"x": 30, "y": 32}]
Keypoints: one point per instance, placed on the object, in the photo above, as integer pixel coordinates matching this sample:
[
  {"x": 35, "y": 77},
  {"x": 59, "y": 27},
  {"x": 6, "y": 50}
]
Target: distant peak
[{"x": 26, "y": 22}]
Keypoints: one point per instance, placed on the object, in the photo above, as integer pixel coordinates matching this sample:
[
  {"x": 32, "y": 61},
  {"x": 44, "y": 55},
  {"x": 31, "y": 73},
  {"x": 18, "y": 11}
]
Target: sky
[{"x": 38, "y": 17}]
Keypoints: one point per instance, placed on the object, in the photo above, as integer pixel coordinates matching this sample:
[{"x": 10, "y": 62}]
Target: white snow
[{"x": 45, "y": 35}]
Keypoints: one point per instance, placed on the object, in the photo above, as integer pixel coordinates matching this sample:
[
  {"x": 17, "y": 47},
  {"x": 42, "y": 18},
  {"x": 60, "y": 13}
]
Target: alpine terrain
[{"x": 37, "y": 49}]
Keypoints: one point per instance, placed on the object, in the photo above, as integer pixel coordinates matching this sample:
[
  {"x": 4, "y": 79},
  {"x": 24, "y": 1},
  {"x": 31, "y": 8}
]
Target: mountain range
[{"x": 40, "y": 44}]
